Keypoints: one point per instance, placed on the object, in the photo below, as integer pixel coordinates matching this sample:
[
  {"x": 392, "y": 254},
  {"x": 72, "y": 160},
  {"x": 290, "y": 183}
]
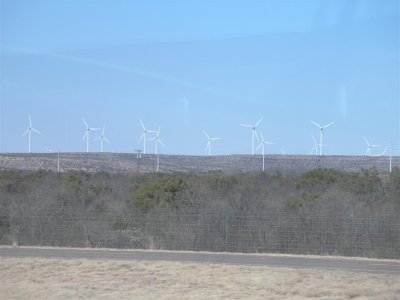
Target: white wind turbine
[
  {"x": 86, "y": 135},
  {"x": 144, "y": 135},
  {"x": 157, "y": 140},
  {"x": 321, "y": 128},
  {"x": 315, "y": 147},
  {"x": 262, "y": 146},
  {"x": 29, "y": 131},
  {"x": 384, "y": 151},
  {"x": 102, "y": 138},
  {"x": 209, "y": 140},
  {"x": 370, "y": 146},
  {"x": 254, "y": 133}
]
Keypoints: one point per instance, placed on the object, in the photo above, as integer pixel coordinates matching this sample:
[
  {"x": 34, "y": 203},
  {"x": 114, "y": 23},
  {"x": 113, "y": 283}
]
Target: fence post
[{"x": 226, "y": 228}]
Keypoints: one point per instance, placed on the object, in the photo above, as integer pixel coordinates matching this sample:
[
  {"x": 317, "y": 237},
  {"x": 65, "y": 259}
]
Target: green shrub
[
  {"x": 318, "y": 179},
  {"x": 302, "y": 200},
  {"x": 394, "y": 185},
  {"x": 163, "y": 190}
]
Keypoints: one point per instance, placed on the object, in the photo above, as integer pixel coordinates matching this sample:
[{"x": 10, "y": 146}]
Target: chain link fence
[{"x": 335, "y": 233}]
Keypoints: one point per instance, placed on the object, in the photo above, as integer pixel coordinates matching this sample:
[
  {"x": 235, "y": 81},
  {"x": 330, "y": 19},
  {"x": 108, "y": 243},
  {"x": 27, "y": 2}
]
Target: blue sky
[{"x": 188, "y": 66}]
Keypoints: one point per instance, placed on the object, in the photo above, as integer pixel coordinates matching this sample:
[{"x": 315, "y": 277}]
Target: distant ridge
[{"x": 128, "y": 163}]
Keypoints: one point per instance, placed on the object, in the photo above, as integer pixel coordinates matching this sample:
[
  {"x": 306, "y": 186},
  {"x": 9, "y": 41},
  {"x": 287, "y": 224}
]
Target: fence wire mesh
[{"x": 223, "y": 229}]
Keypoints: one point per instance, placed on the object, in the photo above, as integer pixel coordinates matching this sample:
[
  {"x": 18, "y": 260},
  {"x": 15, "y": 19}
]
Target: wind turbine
[
  {"x": 157, "y": 140},
  {"x": 254, "y": 133},
  {"x": 144, "y": 135},
  {"x": 321, "y": 128},
  {"x": 384, "y": 151},
  {"x": 262, "y": 146},
  {"x": 315, "y": 147},
  {"x": 29, "y": 131},
  {"x": 86, "y": 135},
  {"x": 368, "y": 152},
  {"x": 209, "y": 140},
  {"x": 102, "y": 138}
]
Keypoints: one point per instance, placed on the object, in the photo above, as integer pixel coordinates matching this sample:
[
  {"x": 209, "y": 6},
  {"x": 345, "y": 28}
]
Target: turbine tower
[
  {"x": 321, "y": 128},
  {"x": 102, "y": 138},
  {"x": 157, "y": 140},
  {"x": 368, "y": 152},
  {"x": 29, "y": 131},
  {"x": 86, "y": 135},
  {"x": 262, "y": 146},
  {"x": 144, "y": 135},
  {"x": 254, "y": 133},
  {"x": 209, "y": 140}
]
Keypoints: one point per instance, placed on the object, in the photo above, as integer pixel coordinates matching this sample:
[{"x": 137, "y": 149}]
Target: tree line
[{"x": 323, "y": 211}]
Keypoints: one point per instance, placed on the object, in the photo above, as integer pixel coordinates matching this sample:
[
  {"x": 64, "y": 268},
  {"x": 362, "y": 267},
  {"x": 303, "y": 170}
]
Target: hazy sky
[{"x": 188, "y": 66}]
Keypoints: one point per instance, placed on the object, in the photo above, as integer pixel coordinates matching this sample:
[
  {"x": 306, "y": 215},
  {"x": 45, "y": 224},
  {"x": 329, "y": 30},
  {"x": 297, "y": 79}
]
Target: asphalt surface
[{"x": 285, "y": 261}]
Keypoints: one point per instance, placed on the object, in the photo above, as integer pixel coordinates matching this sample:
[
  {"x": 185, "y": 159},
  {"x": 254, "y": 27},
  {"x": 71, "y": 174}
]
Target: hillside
[{"x": 128, "y": 163}]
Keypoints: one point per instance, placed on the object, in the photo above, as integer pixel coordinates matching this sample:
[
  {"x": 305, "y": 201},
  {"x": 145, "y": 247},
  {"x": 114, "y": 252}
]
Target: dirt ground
[{"x": 96, "y": 279}]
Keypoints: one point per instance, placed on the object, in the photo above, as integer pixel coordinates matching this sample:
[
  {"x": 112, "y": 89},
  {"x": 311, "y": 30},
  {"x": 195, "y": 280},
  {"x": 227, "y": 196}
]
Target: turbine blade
[
  {"x": 205, "y": 133},
  {"x": 86, "y": 124},
  {"x": 259, "y": 146},
  {"x": 258, "y": 122},
  {"x": 262, "y": 137},
  {"x": 161, "y": 142},
  {"x": 245, "y": 125},
  {"x": 144, "y": 128},
  {"x": 366, "y": 141},
  {"x": 36, "y": 131},
  {"x": 331, "y": 123},
  {"x": 315, "y": 141},
  {"x": 215, "y": 139},
  {"x": 84, "y": 136},
  {"x": 25, "y": 132},
  {"x": 106, "y": 140},
  {"x": 141, "y": 137},
  {"x": 316, "y": 124},
  {"x": 255, "y": 132},
  {"x": 30, "y": 121},
  {"x": 99, "y": 137}
]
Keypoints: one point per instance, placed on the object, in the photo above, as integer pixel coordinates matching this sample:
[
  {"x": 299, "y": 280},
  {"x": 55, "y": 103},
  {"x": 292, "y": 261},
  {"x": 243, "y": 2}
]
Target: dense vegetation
[{"x": 323, "y": 211}]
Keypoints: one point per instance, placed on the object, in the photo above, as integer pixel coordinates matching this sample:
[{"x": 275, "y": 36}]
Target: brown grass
[{"x": 96, "y": 279}]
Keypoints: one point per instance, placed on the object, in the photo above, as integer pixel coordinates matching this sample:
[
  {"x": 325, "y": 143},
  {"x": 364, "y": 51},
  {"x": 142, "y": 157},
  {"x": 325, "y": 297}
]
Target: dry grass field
[
  {"x": 95, "y": 279},
  {"x": 128, "y": 163}
]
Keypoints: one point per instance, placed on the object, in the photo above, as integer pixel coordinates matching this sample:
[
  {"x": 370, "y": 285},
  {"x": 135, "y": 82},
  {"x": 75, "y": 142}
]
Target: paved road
[{"x": 324, "y": 263}]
